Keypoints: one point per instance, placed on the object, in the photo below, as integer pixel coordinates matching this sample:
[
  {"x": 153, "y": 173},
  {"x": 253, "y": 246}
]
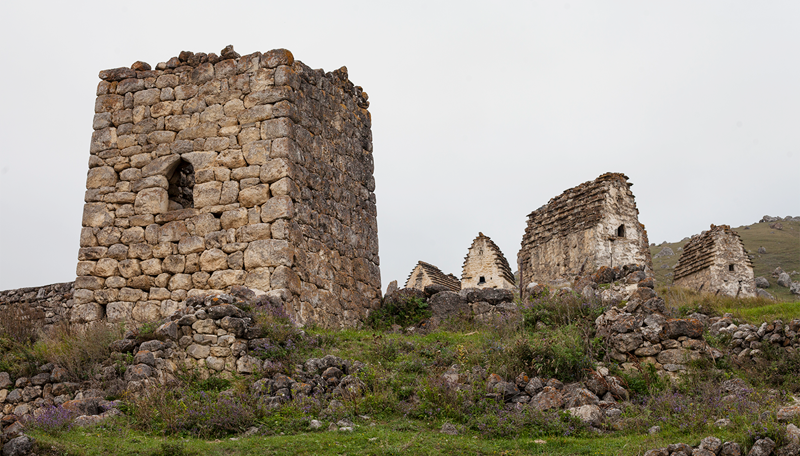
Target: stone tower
[
  {"x": 594, "y": 224},
  {"x": 214, "y": 171},
  {"x": 425, "y": 274},
  {"x": 716, "y": 262},
  {"x": 485, "y": 266}
]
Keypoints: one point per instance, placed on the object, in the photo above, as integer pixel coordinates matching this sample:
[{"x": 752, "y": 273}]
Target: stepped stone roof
[
  {"x": 437, "y": 276},
  {"x": 700, "y": 251},
  {"x": 499, "y": 259},
  {"x": 576, "y": 209}
]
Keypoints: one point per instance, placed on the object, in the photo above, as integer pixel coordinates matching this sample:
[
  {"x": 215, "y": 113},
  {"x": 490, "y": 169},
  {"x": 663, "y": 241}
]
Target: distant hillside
[{"x": 783, "y": 249}]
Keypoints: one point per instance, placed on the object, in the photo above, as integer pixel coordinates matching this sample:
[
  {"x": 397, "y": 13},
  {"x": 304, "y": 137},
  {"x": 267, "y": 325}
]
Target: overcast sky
[{"x": 481, "y": 113}]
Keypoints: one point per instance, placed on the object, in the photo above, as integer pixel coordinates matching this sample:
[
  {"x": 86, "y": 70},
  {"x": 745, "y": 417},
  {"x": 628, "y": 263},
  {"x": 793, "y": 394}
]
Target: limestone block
[
  {"x": 132, "y": 235},
  {"x": 96, "y": 215},
  {"x": 192, "y": 263},
  {"x": 163, "y": 249},
  {"x": 108, "y": 103},
  {"x": 268, "y": 253},
  {"x": 247, "y": 365},
  {"x": 141, "y": 282},
  {"x": 146, "y": 97},
  {"x": 191, "y": 244},
  {"x": 169, "y": 307},
  {"x": 131, "y": 295},
  {"x": 162, "y": 280},
  {"x": 86, "y": 313},
  {"x": 129, "y": 268},
  {"x": 285, "y": 186},
  {"x": 89, "y": 282},
  {"x": 284, "y": 277},
  {"x": 223, "y": 279},
  {"x": 255, "y": 114},
  {"x": 276, "y": 208},
  {"x": 198, "y": 351},
  {"x": 162, "y": 166},
  {"x": 115, "y": 282},
  {"x": 119, "y": 311},
  {"x": 146, "y": 311},
  {"x": 141, "y": 251},
  {"x": 151, "y": 201},
  {"x": 256, "y": 153},
  {"x": 200, "y": 160},
  {"x": 159, "y": 294},
  {"x": 230, "y": 192},
  {"x": 234, "y": 219},
  {"x": 151, "y": 267},
  {"x": 106, "y": 267},
  {"x": 255, "y": 232},
  {"x": 103, "y": 139},
  {"x": 207, "y": 194},
  {"x": 85, "y": 268},
  {"x": 254, "y": 196},
  {"x": 172, "y": 231},
  {"x": 258, "y": 279},
  {"x": 213, "y": 260},
  {"x": 203, "y": 130},
  {"x": 180, "y": 282},
  {"x": 109, "y": 235},
  {"x": 88, "y": 239},
  {"x": 157, "y": 181},
  {"x": 276, "y": 169},
  {"x": 233, "y": 107},
  {"x": 215, "y": 363},
  {"x": 231, "y": 158},
  {"x": 82, "y": 296},
  {"x": 174, "y": 264},
  {"x": 277, "y": 128},
  {"x": 206, "y": 326},
  {"x": 103, "y": 176}
]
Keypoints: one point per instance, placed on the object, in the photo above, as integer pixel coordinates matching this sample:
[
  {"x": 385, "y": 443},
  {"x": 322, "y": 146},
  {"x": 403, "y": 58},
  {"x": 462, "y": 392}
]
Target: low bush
[
  {"x": 403, "y": 311},
  {"x": 79, "y": 350}
]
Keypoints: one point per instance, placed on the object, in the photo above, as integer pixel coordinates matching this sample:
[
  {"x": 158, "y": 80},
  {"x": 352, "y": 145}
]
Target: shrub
[
  {"x": 21, "y": 323},
  {"x": 403, "y": 311},
  {"x": 78, "y": 349}
]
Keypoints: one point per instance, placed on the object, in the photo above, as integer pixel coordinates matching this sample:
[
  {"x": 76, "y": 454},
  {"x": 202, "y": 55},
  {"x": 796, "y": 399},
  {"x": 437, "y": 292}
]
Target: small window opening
[
  {"x": 730, "y": 268},
  {"x": 621, "y": 231},
  {"x": 482, "y": 280},
  {"x": 181, "y": 187}
]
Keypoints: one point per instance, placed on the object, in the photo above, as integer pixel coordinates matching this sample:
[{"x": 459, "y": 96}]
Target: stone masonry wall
[
  {"x": 592, "y": 225},
  {"x": 716, "y": 262},
  {"x": 214, "y": 171},
  {"x": 484, "y": 259},
  {"x": 51, "y": 303}
]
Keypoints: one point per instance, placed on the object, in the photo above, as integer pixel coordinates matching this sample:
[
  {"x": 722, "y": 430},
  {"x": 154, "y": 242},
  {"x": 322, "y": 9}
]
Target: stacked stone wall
[
  {"x": 210, "y": 172},
  {"x": 589, "y": 226},
  {"x": 51, "y": 303}
]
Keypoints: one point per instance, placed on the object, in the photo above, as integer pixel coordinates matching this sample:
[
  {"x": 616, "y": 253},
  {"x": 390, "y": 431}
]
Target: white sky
[{"x": 481, "y": 113}]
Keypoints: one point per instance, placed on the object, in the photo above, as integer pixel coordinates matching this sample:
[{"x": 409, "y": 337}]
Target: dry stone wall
[
  {"x": 592, "y": 225},
  {"x": 215, "y": 171},
  {"x": 49, "y": 304}
]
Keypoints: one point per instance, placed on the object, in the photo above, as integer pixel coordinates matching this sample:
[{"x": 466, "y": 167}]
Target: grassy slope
[{"x": 783, "y": 249}]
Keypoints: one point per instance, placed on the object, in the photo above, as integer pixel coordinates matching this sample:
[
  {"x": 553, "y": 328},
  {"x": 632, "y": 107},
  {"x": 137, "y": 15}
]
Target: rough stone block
[
  {"x": 152, "y": 201},
  {"x": 268, "y": 253},
  {"x": 279, "y": 207}
]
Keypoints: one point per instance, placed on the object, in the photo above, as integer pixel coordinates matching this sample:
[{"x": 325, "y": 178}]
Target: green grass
[
  {"x": 783, "y": 249},
  {"x": 751, "y": 310},
  {"x": 400, "y": 437}
]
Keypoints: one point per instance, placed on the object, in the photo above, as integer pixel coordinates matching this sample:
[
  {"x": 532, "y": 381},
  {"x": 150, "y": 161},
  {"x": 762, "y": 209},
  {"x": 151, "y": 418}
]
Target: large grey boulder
[
  {"x": 795, "y": 288},
  {"x": 19, "y": 446},
  {"x": 447, "y": 304},
  {"x": 784, "y": 280},
  {"x": 762, "y": 282}
]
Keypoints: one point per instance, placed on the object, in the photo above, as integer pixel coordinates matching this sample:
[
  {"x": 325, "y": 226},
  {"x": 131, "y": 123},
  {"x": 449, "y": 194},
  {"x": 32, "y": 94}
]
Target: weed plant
[{"x": 404, "y": 311}]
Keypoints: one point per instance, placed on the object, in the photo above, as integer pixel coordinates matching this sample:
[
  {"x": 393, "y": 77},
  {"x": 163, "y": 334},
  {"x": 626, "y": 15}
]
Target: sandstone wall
[
  {"x": 210, "y": 172},
  {"x": 51, "y": 303}
]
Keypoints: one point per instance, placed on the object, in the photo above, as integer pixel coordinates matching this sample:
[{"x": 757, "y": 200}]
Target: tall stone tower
[{"x": 215, "y": 171}]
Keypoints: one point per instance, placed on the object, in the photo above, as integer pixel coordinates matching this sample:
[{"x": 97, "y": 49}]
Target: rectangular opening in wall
[
  {"x": 482, "y": 280},
  {"x": 181, "y": 187},
  {"x": 730, "y": 268},
  {"x": 621, "y": 231}
]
